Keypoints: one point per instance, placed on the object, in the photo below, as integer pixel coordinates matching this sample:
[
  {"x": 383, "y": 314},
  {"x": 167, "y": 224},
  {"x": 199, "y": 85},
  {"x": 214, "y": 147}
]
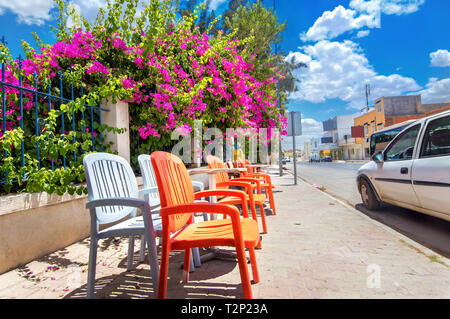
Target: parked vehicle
[
  {"x": 380, "y": 139},
  {"x": 314, "y": 158},
  {"x": 413, "y": 171},
  {"x": 326, "y": 159}
]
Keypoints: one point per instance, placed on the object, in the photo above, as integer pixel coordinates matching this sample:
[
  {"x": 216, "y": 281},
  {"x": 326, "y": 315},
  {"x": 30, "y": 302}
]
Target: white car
[{"x": 413, "y": 171}]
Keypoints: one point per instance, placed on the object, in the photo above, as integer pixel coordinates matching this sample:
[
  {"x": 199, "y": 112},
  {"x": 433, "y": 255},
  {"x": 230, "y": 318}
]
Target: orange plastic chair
[
  {"x": 250, "y": 184},
  {"x": 266, "y": 185},
  {"x": 177, "y": 209}
]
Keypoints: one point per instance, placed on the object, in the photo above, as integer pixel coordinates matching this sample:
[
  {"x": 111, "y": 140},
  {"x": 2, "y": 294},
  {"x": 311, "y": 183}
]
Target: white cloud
[
  {"x": 397, "y": 7},
  {"x": 400, "y": 7},
  {"x": 333, "y": 23},
  {"x": 310, "y": 129},
  {"x": 440, "y": 58},
  {"x": 340, "y": 70},
  {"x": 362, "y": 13},
  {"x": 29, "y": 11},
  {"x": 37, "y": 12},
  {"x": 436, "y": 91},
  {"x": 297, "y": 57},
  {"x": 363, "y": 33}
]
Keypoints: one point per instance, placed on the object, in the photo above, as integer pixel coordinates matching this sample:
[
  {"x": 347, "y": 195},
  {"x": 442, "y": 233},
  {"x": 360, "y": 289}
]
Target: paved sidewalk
[{"x": 316, "y": 247}]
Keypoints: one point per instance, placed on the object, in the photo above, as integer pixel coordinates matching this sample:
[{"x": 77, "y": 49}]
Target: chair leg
[
  {"x": 91, "y": 269},
  {"x": 153, "y": 261},
  {"x": 163, "y": 272},
  {"x": 243, "y": 269},
  {"x": 254, "y": 265},
  {"x": 142, "y": 251},
  {"x": 271, "y": 200},
  {"x": 186, "y": 265},
  {"x": 259, "y": 246},
  {"x": 263, "y": 218},
  {"x": 195, "y": 258},
  {"x": 130, "y": 253}
]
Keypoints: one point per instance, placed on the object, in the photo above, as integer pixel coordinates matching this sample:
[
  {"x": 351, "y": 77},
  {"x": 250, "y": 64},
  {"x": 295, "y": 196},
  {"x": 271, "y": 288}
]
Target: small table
[{"x": 216, "y": 253}]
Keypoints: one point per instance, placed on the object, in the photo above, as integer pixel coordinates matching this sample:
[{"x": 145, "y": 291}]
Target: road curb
[{"x": 427, "y": 252}]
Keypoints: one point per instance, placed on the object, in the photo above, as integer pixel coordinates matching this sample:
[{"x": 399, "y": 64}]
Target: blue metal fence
[{"x": 91, "y": 115}]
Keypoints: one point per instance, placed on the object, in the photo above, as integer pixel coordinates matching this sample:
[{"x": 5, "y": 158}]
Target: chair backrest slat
[
  {"x": 148, "y": 176},
  {"x": 109, "y": 176},
  {"x": 249, "y": 169},
  {"x": 215, "y": 162},
  {"x": 174, "y": 184}
]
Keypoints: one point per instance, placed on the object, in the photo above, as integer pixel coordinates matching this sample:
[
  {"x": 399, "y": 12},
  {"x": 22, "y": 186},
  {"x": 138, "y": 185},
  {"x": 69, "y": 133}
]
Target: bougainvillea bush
[{"x": 144, "y": 54}]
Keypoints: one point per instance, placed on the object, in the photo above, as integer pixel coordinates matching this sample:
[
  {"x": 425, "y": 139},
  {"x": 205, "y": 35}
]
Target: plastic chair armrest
[
  {"x": 119, "y": 201},
  {"x": 250, "y": 180},
  {"x": 141, "y": 204},
  {"x": 210, "y": 208},
  {"x": 247, "y": 186},
  {"x": 226, "y": 192},
  {"x": 148, "y": 190},
  {"x": 263, "y": 175}
]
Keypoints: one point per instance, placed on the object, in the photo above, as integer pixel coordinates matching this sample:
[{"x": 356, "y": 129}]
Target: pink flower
[
  {"x": 184, "y": 130},
  {"x": 149, "y": 130},
  {"x": 97, "y": 67}
]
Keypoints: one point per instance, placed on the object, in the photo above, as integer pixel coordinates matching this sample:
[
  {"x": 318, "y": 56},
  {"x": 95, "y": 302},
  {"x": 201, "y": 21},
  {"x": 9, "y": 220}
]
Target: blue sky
[{"x": 399, "y": 47}]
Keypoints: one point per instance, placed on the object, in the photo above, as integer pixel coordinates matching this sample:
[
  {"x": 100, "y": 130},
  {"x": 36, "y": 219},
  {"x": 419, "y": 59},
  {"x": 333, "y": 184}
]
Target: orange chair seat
[
  {"x": 258, "y": 198},
  {"x": 217, "y": 232}
]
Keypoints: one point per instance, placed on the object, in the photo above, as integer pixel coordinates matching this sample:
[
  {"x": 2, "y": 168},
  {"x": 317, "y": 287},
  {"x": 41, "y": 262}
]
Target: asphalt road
[{"x": 339, "y": 180}]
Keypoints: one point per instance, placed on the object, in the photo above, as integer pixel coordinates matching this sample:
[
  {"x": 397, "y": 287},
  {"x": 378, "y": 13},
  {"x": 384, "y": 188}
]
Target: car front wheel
[{"x": 368, "y": 197}]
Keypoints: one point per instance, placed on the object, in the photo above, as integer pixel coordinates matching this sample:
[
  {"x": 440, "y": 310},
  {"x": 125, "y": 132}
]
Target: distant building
[
  {"x": 306, "y": 153},
  {"x": 337, "y": 135},
  {"x": 388, "y": 111}
]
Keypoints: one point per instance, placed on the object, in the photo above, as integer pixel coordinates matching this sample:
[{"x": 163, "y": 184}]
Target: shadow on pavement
[
  {"x": 137, "y": 283},
  {"x": 429, "y": 231}
]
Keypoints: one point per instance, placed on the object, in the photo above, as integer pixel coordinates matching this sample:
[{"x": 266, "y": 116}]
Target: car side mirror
[{"x": 378, "y": 158}]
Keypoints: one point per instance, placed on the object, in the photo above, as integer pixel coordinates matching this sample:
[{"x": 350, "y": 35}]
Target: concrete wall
[
  {"x": 402, "y": 105},
  {"x": 33, "y": 225}
]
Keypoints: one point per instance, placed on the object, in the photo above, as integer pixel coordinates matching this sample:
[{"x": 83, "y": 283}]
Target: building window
[
  {"x": 366, "y": 129},
  {"x": 378, "y": 103},
  {"x": 373, "y": 128}
]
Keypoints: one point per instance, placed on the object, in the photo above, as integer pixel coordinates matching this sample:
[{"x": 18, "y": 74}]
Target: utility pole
[
  {"x": 367, "y": 96},
  {"x": 294, "y": 146}
]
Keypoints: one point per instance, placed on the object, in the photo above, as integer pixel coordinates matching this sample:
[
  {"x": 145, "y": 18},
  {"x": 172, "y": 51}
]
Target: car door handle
[{"x": 404, "y": 170}]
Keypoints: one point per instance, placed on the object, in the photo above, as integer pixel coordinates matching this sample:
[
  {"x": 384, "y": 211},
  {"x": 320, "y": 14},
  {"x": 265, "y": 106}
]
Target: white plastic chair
[
  {"x": 152, "y": 196},
  {"x": 113, "y": 195}
]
